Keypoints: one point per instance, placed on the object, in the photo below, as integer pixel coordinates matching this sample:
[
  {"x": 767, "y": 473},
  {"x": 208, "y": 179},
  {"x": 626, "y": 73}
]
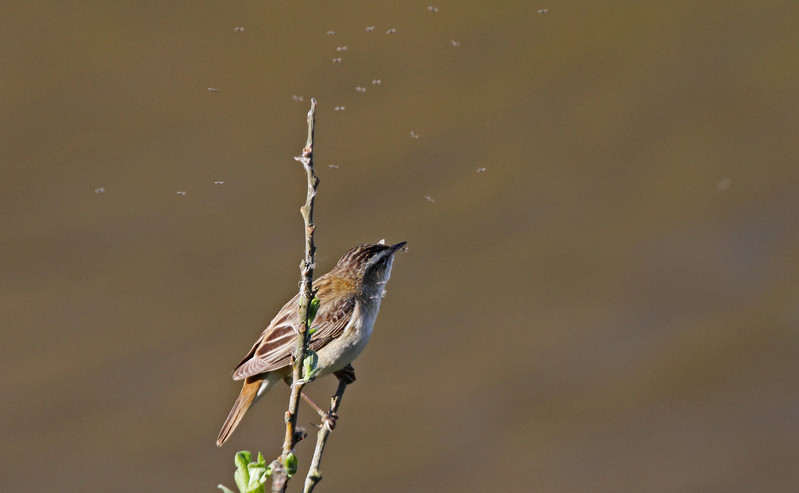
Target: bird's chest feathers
[{"x": 352, "y": 341}]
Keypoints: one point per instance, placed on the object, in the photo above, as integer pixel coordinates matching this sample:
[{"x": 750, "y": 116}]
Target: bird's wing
[{"x": 274, "y": 348}]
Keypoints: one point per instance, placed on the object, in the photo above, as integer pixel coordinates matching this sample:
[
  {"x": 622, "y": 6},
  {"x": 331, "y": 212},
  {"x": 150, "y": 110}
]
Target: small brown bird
[{"x": 349, "y": 297}]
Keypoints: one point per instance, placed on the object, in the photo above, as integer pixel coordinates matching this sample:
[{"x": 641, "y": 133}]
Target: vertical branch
[
  {"x": 280, "y": 476},
  {"x": 314, "y": 473}
]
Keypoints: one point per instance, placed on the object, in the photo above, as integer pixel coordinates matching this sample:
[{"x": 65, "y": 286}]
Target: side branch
[{"x": 314, "y": 473}]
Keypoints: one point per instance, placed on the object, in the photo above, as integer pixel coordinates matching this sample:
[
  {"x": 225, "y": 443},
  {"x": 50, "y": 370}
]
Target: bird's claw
[
  {"x": 329, "y": 419},
  {"x": 346, "y": 374}
]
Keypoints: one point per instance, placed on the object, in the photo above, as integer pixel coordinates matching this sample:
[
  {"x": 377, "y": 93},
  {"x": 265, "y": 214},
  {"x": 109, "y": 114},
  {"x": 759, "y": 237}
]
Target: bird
[{"x": 349, "y": 299}]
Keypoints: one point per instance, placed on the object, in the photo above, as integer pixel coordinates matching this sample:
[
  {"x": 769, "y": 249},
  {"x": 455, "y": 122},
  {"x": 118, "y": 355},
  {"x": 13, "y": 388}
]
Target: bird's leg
[
  {"x": 318, "y": 409},
  {"x": 345, "y": 377}
]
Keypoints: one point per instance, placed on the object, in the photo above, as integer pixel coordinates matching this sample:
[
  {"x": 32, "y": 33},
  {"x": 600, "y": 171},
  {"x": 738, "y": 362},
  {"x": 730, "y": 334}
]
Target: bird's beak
[{"x": 399, "y": 245}]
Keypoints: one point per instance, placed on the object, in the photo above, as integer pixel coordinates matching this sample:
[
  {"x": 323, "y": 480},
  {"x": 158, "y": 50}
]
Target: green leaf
[
  {"x": 249, "y": 476},
  {"x": 242, "y": 458},
  {"x": 290, "y": 464},
  {"x": 256, "y": 471},
  {"x": 313, "y": 308},
  {"x": 309, "y": 365},
  {"x": 242, "y": 474}
]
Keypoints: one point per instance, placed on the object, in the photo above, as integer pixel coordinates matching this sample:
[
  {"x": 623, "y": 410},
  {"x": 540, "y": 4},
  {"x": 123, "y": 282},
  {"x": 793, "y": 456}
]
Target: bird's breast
[{"x": 344, "y": 349}]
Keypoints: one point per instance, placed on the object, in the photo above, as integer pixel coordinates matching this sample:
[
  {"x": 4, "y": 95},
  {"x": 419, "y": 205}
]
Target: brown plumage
[
  {"x": 243, "y": 402},
  {"x": 349, "y": 298}
]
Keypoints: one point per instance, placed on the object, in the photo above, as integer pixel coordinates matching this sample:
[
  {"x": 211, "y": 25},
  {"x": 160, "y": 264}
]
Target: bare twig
[
  {"x": 328, "y": 423},
  {"x": 280, "y": 476}
]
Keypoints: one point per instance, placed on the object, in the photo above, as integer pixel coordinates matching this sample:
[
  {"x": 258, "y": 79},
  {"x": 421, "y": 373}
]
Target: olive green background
[{"x": 610, "y": 305}]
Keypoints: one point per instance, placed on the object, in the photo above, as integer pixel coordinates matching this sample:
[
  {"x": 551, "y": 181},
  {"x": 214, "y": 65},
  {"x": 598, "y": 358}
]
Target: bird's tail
[{"x": 248, "y": 394}]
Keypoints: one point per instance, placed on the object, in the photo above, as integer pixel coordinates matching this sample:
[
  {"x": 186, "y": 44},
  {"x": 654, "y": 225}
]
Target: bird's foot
[
  {"x": 329, "y": 419},
  {"x": 346, "y": 374}
]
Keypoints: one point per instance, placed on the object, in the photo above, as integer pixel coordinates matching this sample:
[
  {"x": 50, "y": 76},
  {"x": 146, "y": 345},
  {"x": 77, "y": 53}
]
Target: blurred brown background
[{"x": 610, "y": 305}]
